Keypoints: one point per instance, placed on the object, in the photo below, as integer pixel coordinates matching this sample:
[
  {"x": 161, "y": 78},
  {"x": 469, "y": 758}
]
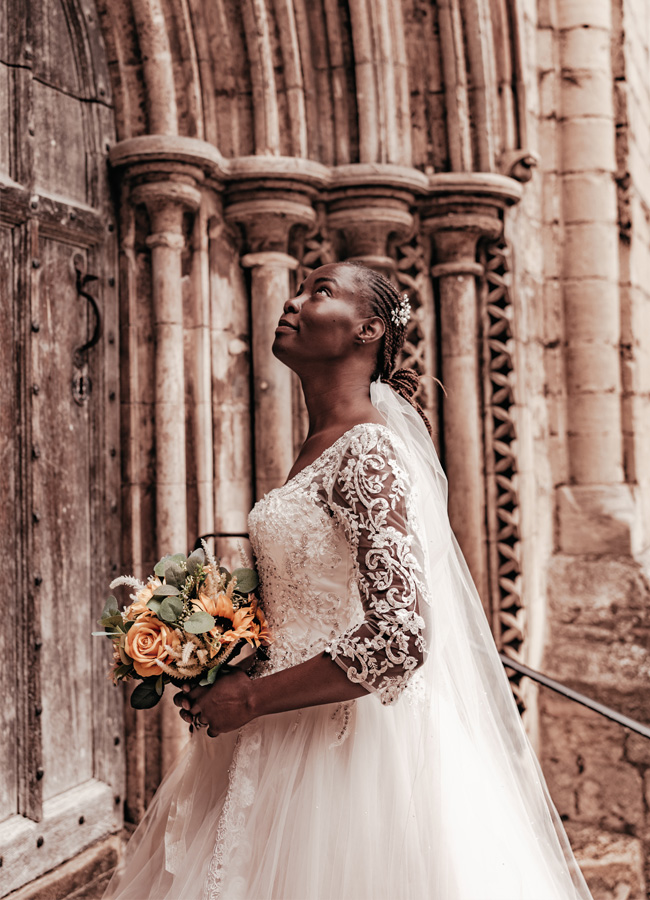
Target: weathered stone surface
[{"x": 612, "y": 864}]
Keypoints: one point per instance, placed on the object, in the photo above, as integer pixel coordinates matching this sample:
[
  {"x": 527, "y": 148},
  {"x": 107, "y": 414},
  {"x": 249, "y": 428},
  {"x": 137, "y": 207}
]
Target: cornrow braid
[{"x": 384, "y": 300}]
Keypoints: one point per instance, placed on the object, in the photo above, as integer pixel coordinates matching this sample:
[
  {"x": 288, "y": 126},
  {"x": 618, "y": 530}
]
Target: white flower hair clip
[{"x": 401, "y": 313}]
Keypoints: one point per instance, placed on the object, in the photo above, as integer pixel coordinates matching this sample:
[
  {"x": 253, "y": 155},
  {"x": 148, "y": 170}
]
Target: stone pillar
[
  {"x": 463, "y": 209},
  {"x": 268, "y": 197},
  {"x": 163, "y": 174},
  {"x": 166, "y": 203}
]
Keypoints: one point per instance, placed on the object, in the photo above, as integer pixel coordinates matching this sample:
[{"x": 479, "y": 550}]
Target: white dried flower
[{"x": 401, "y": 313}]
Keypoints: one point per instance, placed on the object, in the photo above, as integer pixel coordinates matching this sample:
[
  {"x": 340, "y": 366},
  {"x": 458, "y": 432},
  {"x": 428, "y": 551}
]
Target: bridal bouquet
[{"x": 185, "y": 623}]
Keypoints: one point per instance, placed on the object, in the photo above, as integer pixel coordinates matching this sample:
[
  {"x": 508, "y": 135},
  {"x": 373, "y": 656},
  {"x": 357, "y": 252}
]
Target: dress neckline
[{"x": 331, "y": 447}]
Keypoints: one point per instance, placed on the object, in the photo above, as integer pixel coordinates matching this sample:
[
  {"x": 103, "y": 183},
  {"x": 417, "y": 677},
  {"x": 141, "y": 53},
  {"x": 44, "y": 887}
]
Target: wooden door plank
[
  {"x": 9, "y": 520},
  {"x": 63, "y": 548}
]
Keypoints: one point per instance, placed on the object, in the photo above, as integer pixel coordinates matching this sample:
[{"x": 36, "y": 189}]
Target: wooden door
[{"x": 60, "y": 720}]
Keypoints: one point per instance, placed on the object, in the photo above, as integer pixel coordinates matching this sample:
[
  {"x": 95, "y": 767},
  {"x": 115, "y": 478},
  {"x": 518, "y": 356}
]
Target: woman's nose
[{"x": 292, "y": 305}]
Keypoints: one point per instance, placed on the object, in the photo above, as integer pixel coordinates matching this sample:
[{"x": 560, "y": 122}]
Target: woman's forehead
[{"x": 341, "y": 274}]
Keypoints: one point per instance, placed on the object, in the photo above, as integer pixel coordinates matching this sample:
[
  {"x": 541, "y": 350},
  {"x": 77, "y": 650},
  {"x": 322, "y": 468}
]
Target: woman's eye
[{"x": 322, "y": 290}]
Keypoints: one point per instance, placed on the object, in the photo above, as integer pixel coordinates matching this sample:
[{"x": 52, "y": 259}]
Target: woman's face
[{"x": 323, "y": 322}]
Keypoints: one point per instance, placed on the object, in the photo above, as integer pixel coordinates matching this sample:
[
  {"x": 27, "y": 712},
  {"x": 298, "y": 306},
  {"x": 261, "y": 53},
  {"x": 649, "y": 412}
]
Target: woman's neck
[{"x": 334, "y": 401}]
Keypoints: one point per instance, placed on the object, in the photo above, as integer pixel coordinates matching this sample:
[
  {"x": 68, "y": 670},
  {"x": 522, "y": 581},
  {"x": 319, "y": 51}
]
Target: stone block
[
  {"x": 586, "y": 48},
  {"x": 591, "y": 310},
  {"x": 586, "y": 92},
  {"x": 591, "y": 251},
  {"x": 581, "y": 13},
  {"x": 587, "y": 145},
  {"x": 598, "y": 519},
  {"x": 589, "y": 197},
  {"x": 611, "y": 863},
  {"x": 592, "y": 367},
  {"x": 582, "y": 757}
]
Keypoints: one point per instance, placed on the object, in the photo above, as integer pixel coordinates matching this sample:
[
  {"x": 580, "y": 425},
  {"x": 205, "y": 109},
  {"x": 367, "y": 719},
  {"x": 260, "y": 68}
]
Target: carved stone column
[
  {"x": 268, "y": 197},
  {"x": 461, "y": 210},
  {"x": 163, "y": 174}
]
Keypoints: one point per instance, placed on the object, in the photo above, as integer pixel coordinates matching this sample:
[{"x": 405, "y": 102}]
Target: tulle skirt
[{"x": 354, "y": 801}]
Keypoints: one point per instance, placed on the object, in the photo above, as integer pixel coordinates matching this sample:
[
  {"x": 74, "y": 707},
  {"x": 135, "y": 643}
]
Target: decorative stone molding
[{"x": 501, "y": 469}]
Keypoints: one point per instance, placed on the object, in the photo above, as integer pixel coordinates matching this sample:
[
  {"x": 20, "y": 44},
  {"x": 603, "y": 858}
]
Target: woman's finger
[
  {"x": 178, "y": 699},
  {"x": 195, "y": 692},
  {"x": 212, "y": 733}
]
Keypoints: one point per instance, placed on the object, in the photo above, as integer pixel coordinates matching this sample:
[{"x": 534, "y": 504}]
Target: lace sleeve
[{"x": 369, "y": 497}]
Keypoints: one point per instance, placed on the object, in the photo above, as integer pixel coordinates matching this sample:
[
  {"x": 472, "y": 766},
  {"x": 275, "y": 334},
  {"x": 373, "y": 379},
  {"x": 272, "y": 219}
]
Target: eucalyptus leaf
[
  {"x": 154, "y": 605},
  {"x": 199, "y": 622},
  {"x": 170, "y": 609},
  {"x": 194, "y": 561},
  {"x": 159, "y": 568},
  {"x": 110, "y": 608},
  {"x": 247, "y": 580},
  {"x": 145, "y": 696},
  {"x": 160, "y": 686},
  {"x": 128, "y": 625},
  {"x": 175, "y": 575},
  {"x": 210, "y": 678},
  {"x": 166, "y": 590},
  {"x": 228, "y": 577},
  {"x": 113, "y": 622}
]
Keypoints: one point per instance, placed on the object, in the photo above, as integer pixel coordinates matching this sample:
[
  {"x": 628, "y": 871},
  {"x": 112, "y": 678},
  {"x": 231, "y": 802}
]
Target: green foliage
[
  {"x": 166, "y": 590},
  {"x": 170, "y": 609},
  {"x": 123, "y": 671},
  {"x": 247, "y": 580},
  {"x": 110, "y": 608},
  {"x": 199, "y": 622},
  {"x": 145, "y": 695},
  {"x": 159, "y": 568},
  {"x": 175, "y": 575},
  {"x": 154, "y": 605},
  {"x": 195, "y": 561},
  {"x": 210, "y": 678},
  {"x": 160, "y": 685}
]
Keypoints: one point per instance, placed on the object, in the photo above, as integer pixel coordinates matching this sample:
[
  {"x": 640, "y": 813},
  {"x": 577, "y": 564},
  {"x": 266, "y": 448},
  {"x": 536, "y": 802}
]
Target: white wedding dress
[{"x": 427, "y": 788}]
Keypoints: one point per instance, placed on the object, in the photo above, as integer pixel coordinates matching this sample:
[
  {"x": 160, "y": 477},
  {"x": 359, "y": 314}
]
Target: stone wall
[{"x": 584, "y": 331}]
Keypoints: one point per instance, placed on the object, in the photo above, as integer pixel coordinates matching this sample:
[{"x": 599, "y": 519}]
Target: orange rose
[
  {"x": 139, "y": 606},
  {"x": 145, "y": 644}
]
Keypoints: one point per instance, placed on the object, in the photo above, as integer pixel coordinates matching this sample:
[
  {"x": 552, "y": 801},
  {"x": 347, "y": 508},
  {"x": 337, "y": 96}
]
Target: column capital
[
  {"x": 269, "y": 195},
  {"x": 459, "y": 209},
  {"x": 369, "y": 204}
]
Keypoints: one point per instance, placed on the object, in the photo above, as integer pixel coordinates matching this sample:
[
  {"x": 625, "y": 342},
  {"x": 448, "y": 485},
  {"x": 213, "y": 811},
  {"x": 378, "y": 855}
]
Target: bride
[{"x": 378, "y": 752}]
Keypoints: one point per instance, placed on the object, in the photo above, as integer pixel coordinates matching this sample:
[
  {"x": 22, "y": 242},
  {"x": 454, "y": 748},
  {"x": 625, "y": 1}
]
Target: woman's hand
[{"x": 223, "y": 706}]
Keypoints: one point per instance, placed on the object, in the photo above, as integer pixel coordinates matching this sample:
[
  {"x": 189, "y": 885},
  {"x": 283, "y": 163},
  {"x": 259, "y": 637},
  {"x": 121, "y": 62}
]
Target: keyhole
[{"x": 81, "y": 388}]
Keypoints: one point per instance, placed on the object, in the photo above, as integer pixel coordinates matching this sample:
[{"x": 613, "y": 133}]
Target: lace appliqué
[
  {"x": 368, "y": 495},
  {"x": 230, "y": 846}
]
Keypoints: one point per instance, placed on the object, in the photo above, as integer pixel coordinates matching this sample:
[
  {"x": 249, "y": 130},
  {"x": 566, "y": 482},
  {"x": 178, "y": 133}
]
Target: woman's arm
[{"x": 235, "y": 699}]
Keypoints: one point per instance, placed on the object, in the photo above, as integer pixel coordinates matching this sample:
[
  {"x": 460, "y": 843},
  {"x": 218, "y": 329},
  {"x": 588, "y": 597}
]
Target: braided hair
[{"x": 383, "y": 299}]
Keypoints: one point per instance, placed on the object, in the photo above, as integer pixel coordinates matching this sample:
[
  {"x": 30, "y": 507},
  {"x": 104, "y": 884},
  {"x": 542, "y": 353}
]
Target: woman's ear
[{"x": 371, "y": 330}]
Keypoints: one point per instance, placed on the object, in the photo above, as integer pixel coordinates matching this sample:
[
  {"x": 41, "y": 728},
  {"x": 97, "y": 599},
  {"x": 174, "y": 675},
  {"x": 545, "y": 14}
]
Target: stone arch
[{"x": 412, "y": 84}]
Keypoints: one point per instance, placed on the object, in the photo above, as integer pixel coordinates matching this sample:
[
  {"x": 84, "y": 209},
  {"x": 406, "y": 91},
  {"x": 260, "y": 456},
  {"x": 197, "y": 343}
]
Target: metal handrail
[{"x": 559, "y": 688}]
